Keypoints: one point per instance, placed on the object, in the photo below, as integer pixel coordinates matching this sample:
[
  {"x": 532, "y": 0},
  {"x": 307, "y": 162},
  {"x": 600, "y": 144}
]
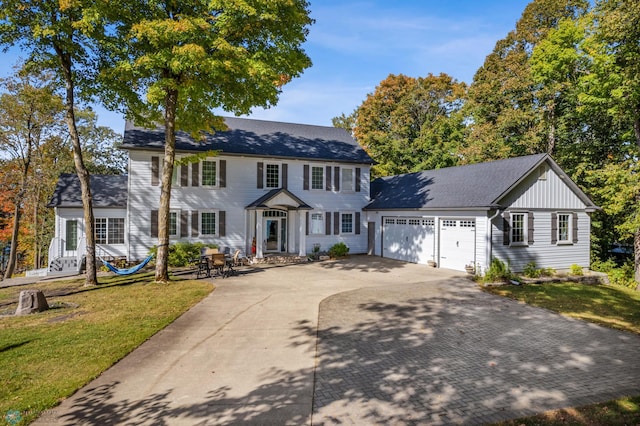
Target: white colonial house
[{"x": 272, "y": 188}]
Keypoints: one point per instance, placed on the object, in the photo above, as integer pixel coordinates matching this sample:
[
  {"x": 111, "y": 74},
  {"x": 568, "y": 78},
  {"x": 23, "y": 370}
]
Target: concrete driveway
[{"x": 360, "y": 341}]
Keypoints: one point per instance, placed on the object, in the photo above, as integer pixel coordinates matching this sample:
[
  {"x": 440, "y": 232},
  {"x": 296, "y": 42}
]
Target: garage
[
  {"x": 457, "y": 243},
  {"x": 408, "y": 238}
]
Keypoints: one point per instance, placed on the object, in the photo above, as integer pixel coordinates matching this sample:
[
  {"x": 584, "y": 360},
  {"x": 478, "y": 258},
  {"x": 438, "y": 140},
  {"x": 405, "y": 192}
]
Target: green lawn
[
  {"x": 610, "y": 306},
  {"x": 45, "y": 357}
]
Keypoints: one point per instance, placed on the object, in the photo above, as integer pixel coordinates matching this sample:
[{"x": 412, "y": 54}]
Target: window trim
[
  {"x": 569, "y": 239},
  {"x": 322, "y": 229},
  {"x": 353, "y": 179},
  {"x": 216, "y": 223},
  {"x": 264, "y": 175},
  {"x": 353, "y": 223},
  {"x": 525, "y": 229},
  {"x": 201, "y": 172},
  {"x": 322, "y": 181}
]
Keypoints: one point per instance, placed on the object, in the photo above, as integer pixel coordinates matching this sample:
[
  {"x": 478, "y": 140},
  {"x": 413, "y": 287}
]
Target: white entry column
[{"x": 259, "y": 234}]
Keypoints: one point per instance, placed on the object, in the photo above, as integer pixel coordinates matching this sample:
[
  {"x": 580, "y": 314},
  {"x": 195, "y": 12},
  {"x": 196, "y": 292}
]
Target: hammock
[{"x": 128, "y": 271}]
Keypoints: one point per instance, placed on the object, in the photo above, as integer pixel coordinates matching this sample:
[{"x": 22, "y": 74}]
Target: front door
[{"x": 272, "y": 234}]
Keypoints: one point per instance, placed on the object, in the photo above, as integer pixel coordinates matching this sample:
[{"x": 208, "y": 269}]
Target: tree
[
  {"x": 409, "y": 124},
  {"x": 183, "y": 59},
  {"x": 508, "y": 114},
  {"x": 59, "y": 36},
  {"x": 29, "y": 114}
]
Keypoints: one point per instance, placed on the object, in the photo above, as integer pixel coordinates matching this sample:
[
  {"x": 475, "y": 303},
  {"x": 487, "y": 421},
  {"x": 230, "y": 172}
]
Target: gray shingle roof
[
  {"x": 473, "y": 186},
  {"x": 106, "y": 191},
  {"x": 259, "y": 138}
]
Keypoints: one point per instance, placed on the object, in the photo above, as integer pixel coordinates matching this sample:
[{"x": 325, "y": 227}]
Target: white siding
[
  {"x": 543, "y": 252},
  {"x": 549, "y": 193},
  {"x": 240, "y": 191}
]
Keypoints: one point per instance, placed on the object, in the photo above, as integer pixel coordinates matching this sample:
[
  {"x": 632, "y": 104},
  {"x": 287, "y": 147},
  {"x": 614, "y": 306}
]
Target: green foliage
[
  {"x": 498, "y": 271},
  {"x": 182, "y": 253},
  {"x": 531, "y": 271},
  {"x": 618, "y": 275},
  {"x": 575, "y": 269},
  {"x": 410, "y": 124},
  {"x": 338, "y": 250}
]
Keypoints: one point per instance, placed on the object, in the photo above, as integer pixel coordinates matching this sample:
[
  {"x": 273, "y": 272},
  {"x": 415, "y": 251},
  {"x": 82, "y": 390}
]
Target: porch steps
[{"x": 279, "y": 259}]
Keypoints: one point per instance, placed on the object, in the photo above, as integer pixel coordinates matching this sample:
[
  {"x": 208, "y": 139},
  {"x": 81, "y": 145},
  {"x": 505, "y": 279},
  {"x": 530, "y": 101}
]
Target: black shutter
[
  {"x": 327, "y": 223},
  {"x": 285, "y": 176},
  {"x": 575, "y": 228},
  {"x": 305, "y": 172},
  {"x": 260, "y": 175},
  {"x": 530, "y": 228},
  {"x": 554, "y": 228},
  {"x": 222, "y": 180},
  {"x": 154, "y": 223},
  {"x": 222, "y": 225},
  {"x": 195, "y": 223},
  {"x": 336, "y": 223},
  {"x": 328, "y": 178},
  {"x": 155, "y": 171},
  {"x": 336, "y": 179},
  {"x": 357, "y": 230},
  {"x": 195, "y": 174},
  {"x": 307, "y": 227},
  {"x": 506, "y": 228},
  {"x": 184, "y": 175},
  {"x": 184, "y": 223},
  {"x": 357, "y": 179}
]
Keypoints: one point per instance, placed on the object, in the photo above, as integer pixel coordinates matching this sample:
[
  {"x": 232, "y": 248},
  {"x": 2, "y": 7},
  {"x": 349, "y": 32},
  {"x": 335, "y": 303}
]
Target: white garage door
[
  {"x": 457, "y": 243},
  {"x": 408, "y": 238}
]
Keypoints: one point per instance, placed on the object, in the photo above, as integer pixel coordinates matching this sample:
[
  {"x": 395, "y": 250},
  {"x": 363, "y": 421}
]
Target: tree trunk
[
  {"x": 162, "y": 270},
  {"x": 81, "y": 170},
  {"x": 13, "y": 254}
]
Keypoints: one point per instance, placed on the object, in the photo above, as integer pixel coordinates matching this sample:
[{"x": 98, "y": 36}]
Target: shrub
[
  {"x": 575, "y": 269},
  {"x": 531, "y": 271},
  {"x": 338, "y": 250},
  {"x": 498, "y": 271},
  {"x": 622, "y": 275},
  {"x": 181, "y": 253}
]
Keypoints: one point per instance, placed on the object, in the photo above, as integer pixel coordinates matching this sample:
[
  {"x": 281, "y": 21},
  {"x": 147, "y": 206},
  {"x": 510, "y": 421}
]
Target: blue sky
[{"x": 356, "y": 44}]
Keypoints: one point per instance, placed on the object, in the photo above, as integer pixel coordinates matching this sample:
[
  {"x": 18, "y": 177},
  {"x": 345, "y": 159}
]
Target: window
[
  {"x": 347, "y": 180},
  {"x": 317, "y": 177},
  {"x": 208, "y": 223},
  {"x": 71, "y": 234},
  {"x": 116, "y": 230},
  {"x": 317, "y": 223},
  {"x": 173, "y": 224},
  {"x": 518, "y": 229},
  {"x": 109, "y": 230},
  {"x": 208, "y": 174},
  {"x": 272, "y": 175},
  {"x": 564, "y": 227},
  {"x": 346, "y": 223},
  {"x": 174, "y": 176}
]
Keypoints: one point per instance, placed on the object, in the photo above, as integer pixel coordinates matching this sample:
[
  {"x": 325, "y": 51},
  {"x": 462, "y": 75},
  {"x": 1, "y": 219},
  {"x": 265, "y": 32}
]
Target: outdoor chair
[{"x": 217, "y": 263}]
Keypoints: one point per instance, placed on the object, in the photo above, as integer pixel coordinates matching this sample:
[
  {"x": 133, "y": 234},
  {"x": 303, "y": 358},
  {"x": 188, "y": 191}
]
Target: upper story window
[
  {"x": 272, "y": 175},
  {"x": 208, "y": 174},
  {"x": 317, "y": 177},
  {"x": 347, "y": 180}
]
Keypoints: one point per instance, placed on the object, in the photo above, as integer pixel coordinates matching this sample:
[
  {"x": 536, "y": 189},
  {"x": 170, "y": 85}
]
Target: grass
[
  {"x": 610, "y": 306},
  {"x": 46, "y": 357}
]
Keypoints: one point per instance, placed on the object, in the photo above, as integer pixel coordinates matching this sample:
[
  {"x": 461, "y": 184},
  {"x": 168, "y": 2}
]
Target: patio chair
[{"x": 217, "y": 263}]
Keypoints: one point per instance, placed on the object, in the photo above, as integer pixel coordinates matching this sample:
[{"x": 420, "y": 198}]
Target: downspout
[{"x": 490, "y": 242}]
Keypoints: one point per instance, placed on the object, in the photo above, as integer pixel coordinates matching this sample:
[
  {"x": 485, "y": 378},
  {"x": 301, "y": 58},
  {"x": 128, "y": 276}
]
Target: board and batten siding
[{"x": 241, "y": 188}]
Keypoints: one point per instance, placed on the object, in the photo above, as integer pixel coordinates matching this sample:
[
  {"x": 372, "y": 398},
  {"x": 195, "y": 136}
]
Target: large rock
[{"x": 31, "y": 301}]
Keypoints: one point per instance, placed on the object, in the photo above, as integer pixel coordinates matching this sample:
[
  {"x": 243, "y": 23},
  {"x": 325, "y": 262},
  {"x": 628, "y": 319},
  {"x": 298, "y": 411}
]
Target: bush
[
  {"x": 498, "y": 271},
  {"x": 338, "y": 250},
  {"x": 181, "y": 253},
  {"x": 531, "y": 271},
  {"x": 622, "y": 275},
  {"x": 575, "y": 269}
]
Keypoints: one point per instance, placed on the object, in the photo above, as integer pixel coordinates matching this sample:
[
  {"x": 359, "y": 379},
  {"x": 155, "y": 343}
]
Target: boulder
[{"x": 31, "y": 301}]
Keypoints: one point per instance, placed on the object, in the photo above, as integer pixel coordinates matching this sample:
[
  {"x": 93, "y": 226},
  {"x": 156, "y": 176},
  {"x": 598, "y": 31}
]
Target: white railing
[{"x": 55, "y": 249}]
